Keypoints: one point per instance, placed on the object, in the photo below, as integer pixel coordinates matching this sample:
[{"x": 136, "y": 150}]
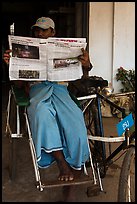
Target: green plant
[{"x": 127, "y": 78}]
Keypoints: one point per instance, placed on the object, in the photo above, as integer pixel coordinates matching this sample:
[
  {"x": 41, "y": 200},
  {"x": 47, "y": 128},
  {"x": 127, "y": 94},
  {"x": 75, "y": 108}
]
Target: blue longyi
[{"x": 57, "y": 123}]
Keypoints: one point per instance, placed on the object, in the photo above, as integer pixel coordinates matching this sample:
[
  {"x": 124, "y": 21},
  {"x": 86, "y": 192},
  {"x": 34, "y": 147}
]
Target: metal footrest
[{"x": 84, "y": 179}]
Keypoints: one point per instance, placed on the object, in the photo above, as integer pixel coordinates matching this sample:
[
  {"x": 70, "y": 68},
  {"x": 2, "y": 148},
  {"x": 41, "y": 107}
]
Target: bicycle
[{"x": 91, "y": 106}]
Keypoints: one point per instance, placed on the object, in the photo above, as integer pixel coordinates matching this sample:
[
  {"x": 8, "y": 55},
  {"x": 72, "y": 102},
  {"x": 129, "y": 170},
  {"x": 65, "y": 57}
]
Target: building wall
[{"x": 111, "y": 38}]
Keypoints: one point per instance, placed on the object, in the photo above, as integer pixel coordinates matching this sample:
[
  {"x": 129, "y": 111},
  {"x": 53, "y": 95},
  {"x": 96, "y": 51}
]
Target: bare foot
[{"x": 66, "y": 173}]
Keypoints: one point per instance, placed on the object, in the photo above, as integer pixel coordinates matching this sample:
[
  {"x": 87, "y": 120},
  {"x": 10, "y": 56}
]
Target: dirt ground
[{"x": 23, "y": 188}]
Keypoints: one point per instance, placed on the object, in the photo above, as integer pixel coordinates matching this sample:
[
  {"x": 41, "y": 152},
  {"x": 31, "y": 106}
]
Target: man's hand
[
  {"x": 84, "y": 59},
  {"x": 6, "y": 56}
]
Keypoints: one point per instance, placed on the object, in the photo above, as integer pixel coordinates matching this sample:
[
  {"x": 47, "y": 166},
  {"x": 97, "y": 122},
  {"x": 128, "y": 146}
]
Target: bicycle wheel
[
  {"x": 97, "y": 148},
  {"x": 126, "y": 191}
]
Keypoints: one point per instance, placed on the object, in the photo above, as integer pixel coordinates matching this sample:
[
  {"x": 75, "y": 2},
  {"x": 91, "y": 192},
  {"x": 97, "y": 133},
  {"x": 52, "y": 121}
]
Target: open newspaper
[{"x": 53, "y": 59}]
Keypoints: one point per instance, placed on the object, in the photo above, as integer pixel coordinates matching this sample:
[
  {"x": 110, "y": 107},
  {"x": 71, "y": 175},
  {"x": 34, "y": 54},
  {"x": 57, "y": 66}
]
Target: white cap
[{"x": 44, "y": 23}]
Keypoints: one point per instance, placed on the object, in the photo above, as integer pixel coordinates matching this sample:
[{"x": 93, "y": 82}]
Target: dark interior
[{"x": 70, "y": 18}]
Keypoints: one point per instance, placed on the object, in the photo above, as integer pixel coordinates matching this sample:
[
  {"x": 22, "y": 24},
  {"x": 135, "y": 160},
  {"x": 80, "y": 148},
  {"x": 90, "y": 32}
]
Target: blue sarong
[{"x": 57, "y": 123}]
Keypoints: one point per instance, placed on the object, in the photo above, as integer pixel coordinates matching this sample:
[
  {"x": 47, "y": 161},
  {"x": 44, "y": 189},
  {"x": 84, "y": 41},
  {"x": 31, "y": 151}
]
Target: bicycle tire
[
  {"x": 93, "y": 128},
  {"x": 127, "y": 172}
]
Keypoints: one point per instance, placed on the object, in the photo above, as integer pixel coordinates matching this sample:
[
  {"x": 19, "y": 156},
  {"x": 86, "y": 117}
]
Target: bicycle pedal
[{"x": 93, "y": 190}]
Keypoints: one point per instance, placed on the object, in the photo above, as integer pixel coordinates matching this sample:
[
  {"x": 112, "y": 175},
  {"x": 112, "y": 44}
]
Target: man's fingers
[
  {"x": 8, "y": 51},
  {"x": 84, "y": 51},
  {"x": 6, "y": 55},
  {"x": 81, "y": 57}
]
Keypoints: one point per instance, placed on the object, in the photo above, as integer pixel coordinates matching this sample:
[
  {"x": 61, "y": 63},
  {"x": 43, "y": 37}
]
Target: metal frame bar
[{"x": 18, "y": 133}]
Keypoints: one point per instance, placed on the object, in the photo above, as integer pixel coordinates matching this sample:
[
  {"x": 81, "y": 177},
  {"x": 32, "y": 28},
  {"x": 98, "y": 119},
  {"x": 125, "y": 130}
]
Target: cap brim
[{"x": 40, "y": 26}]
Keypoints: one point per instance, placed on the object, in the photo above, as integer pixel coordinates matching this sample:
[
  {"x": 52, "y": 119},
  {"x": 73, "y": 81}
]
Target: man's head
[{"x": 44, "y": 28}]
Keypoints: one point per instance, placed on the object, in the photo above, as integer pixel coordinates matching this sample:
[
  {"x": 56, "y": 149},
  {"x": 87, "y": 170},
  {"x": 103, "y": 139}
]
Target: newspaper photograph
[{"x": 53, "y": 59}]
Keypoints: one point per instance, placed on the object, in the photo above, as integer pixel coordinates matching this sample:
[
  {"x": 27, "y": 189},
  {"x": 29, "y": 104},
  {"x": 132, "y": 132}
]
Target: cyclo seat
[
  {"x": 18, "y": 99},
  {"x": 86, "y": 86}
]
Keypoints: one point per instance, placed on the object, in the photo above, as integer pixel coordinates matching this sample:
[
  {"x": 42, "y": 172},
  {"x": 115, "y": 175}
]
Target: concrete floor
[{"x": 23, "y": 189}]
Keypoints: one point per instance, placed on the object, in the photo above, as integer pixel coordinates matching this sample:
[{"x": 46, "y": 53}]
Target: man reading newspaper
[
  {"x": 57, "y": 123},
  {"x": 52, "y": 59}
]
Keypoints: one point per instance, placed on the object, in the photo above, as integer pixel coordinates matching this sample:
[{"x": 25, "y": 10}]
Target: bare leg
[{"x": 66, "y": 173}]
